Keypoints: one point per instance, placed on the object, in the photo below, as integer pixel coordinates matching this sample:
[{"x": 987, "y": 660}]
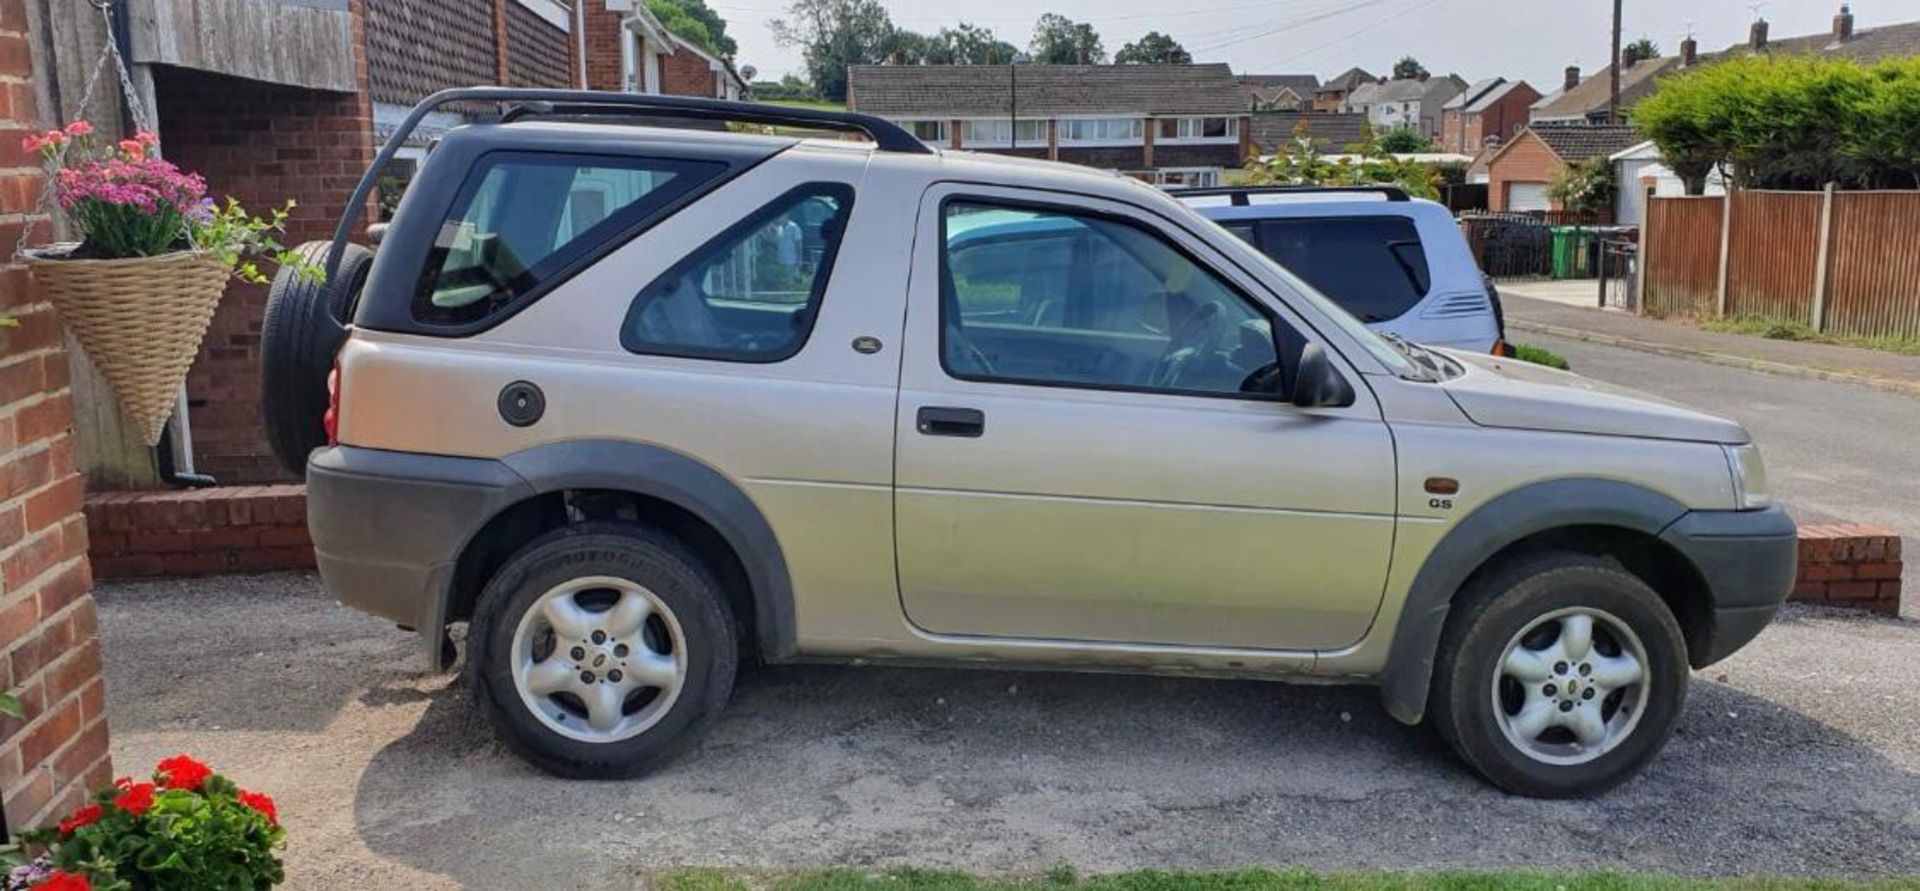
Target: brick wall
[
  {"x": 603, "y": 48},
  {"x": 1527, "y": 159},
  {"x": 189, "y": 532},
  {"x": 1851, "y": 565},
  {"x": 687, "y": 74},
  {"x": 538, "y": 54},
  {"x": 49, "y": 655},
  {"x": 263, "y": 144},
  {"x": 1505, "y": 118}
]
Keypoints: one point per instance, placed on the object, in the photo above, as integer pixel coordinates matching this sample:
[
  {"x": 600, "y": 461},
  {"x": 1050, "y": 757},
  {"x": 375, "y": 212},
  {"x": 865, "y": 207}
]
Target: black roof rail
[
  {"x": 887, "y": 135},
  {"x": 1238, "y": 194}
]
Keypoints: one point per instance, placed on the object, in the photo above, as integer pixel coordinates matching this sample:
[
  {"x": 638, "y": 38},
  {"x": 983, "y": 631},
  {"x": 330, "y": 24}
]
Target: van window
[
  {"x": 522, "y": 219},
  {"x": 1374, "y": 267}
]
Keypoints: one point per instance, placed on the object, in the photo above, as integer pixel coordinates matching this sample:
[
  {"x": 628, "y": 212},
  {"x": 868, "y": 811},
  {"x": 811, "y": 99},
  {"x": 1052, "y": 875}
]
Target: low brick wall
[
  {"x": 190, "y": 532},
  {"x": 1851, "y": 565}
]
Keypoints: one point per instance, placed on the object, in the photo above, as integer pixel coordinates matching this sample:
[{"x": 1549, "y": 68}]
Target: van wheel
[
  {"x": 600, "y": 649},
  {"x": 300, "y": 331},
  {"x": 1561, "y": 675}
]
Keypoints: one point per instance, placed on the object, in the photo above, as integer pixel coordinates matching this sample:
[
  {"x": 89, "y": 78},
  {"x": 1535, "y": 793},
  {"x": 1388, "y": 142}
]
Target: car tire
[
  {"x": 593, "y": 697},
  {"x": 1559, "y": 675},
  {"x": 301, "y": 330}
]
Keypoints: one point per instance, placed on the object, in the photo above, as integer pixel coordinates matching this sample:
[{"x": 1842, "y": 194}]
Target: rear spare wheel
[{"x": 304, "y": 325}]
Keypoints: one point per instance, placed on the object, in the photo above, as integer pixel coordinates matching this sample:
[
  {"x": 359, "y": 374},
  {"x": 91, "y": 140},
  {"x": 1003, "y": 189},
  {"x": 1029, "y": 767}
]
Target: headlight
[{"x": 1750, "y": 489}]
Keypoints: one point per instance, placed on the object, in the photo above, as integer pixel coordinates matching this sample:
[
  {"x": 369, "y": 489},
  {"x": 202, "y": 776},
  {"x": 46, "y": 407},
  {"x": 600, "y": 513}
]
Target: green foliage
[
  {"x": 1404, "y": 140},
  {"x": 790, "y": 88},
  {"x": 697, "y": 22},
  {"x": 833, "y": 34},
  {"x": 1583, "y": 185},
  {"x": 1408, "y": 68},
  {"x": 1643, "y": 48},
  {"x": 1154, "y": 48},
  {"x": 1058, "y": 40},
  {"x": 1299, "y": 163},
  {"x": 237, "y": 236},
  {"x": 1774, "y": 328},
  {"x": 1539, "y": 356},
  {"x": 1790, "y": 122}
]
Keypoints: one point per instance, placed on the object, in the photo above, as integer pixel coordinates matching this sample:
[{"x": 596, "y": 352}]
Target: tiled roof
[
  {"x": 1590, "y": 95},
  {"x": 1347, "y": 80},
  {"x": 1474, "y": 91},
  {"x": 1866, "y": 44},
  {"x": 1578, "y": 142},
  {"x": 909, "y": 91},
  {"x": 1262, "y": 88},
  {"x": 1331, "y": 132}
]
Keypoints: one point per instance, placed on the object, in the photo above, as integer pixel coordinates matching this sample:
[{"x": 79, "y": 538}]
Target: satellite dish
[{"x": 747, "y": 72}]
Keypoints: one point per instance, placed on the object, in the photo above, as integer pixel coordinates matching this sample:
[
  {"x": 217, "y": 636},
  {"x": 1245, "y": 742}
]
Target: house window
[
  {"x": 1187, "y": 177},
  {"x": 928, "y": 131},
  {"x": 1001, "y": 132},
  {"x": 1084, "y": 130},
  {"x": 1176, "y": 129}
]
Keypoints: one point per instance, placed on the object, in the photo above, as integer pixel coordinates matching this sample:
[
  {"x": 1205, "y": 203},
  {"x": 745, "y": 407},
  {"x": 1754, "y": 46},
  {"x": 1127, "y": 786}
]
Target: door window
[
  {"x": 1374, "y": 267},
  {"x": 751, "y": 294},
  {"x": 1043, "y": 296}
]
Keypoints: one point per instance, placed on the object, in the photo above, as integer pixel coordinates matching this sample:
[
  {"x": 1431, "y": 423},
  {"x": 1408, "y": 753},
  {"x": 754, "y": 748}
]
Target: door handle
[{"x": 933, "y": 420}]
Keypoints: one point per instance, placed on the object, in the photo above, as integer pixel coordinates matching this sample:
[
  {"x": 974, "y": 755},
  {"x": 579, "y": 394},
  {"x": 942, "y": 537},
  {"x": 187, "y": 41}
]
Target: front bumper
[
  {"x": 1748, "y": 560},
  {"x": 388, "y": 527}
]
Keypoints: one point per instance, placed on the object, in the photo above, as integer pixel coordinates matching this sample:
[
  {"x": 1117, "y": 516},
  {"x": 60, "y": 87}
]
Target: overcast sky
[{"x": 1528, "y": 39}]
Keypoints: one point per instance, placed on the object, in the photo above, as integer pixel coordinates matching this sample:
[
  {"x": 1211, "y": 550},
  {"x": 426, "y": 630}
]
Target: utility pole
[{"x": 1613, "y": 70}]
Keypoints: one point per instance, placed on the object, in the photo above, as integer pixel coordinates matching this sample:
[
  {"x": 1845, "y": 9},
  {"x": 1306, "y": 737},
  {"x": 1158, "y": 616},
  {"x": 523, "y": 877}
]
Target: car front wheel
[
  {"x": 601, "y": 649},
  {"x": 1560, "y": 675}
]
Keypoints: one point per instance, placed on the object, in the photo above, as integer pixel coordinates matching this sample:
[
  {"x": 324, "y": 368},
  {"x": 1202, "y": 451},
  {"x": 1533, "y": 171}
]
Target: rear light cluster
[
  {"x": 1502, "y": 348},
  {"x": 331, "y": 420}
]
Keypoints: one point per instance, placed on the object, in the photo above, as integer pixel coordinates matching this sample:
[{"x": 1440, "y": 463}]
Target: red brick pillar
[{"x": 49, "y": 656}]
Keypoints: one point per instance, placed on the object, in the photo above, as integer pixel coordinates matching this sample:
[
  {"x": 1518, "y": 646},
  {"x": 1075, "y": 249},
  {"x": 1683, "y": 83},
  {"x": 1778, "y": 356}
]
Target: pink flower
[
  {"x": 30, "y": 144},
  {"x": 80, "y": 128},
  {"x": 133, "y": 148},
  {"x": 146, "y": 137}
]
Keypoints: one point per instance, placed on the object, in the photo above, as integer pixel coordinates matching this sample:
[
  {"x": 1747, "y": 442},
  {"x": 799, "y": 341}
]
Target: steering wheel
[{"x": 1193, "y": 339}]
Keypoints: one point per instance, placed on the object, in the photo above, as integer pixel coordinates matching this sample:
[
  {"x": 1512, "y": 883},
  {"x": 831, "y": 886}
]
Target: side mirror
[{"x": 1316, "y": 384}]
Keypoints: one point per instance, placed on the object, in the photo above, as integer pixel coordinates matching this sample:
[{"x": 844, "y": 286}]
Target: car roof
[{"x": 1313, "y": 204}]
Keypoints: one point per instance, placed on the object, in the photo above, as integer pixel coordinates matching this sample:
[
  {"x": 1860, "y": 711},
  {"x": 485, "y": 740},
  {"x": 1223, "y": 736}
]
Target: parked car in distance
[
  {"x": 633, "y": 403},
  {"x": 1398, "y": 264}
]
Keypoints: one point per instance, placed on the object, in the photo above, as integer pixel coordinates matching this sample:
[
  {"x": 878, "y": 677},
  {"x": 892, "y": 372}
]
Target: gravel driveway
[{"x": 1797, "y": 756}]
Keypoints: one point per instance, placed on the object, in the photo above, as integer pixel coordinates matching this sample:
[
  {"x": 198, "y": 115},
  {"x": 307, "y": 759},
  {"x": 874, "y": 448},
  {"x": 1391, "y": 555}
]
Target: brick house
[
  {"x": 1518, "y": 173},
  {"x": 629, "y": 51},
  {"x": 1843, "y": 40},
  {"x": 1489, "y": 114},
  {"x": 1279, "y": 92},
  {"x": 1412, "y": 103},
  {"x": 1167, "y": 124},
  {"x": 1331, "y": 132},
  {"x": 1332, "y": 94}
]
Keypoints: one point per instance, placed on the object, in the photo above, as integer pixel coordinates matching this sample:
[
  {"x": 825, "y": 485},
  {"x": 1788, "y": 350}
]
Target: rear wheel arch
[
  {"x": 609, "y": 481},
  {"x": 1601, "y": 517}
]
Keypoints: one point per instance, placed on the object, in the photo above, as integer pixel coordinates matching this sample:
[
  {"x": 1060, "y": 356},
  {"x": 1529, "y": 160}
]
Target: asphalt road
[
  {"x": 1800, "y": 755},
  {"x": 1834, "y": 451}
]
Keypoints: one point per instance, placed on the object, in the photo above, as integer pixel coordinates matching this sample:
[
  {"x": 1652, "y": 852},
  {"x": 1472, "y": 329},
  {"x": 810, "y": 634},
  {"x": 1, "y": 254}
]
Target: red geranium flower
[
  {"x": 59, "y": 880},
  {"x": 85, "y": 816},
  {"x": 261, "y": 802},
  {"x": 136, "y": 799},
  {"x": 182, "y": 772}
]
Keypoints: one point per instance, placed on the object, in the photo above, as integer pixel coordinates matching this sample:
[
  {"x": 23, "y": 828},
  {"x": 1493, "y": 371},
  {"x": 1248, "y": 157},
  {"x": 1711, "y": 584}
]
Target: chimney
[
  {"x": 1843, "y": 25},
  {"x": 1689, "y": 51},
  {"x": 1573, "y": 77},
  {"x": 1629, "y": 56},
  {"x": 1757, "y": 35},
  {"x": 1423, "y": 76}
]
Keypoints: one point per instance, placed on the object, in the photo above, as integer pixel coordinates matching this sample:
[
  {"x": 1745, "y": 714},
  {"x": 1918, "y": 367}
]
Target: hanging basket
[{"x": 140, "y": 320}]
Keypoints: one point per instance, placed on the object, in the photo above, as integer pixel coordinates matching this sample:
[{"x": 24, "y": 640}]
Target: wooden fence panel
[
  {"x": 1772, "y": 253},
  {"x": 1873, "y": 276},
  {"x": 1680, "y": 245}
]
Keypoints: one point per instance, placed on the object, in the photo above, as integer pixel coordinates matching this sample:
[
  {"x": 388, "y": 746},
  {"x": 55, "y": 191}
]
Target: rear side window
[
  {"x": 1374, "y": 267},
  {"x": 523, "y": 220},
  {"x": 750, "y": 294}
]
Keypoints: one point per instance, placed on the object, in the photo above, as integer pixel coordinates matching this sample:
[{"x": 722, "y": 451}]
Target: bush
[
  {"x": 188, "y": 829},
  {"x": 1540, "y": 356}
]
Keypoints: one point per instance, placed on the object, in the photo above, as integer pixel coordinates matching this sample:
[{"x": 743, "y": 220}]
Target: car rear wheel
[
  {"x": 1560, "y": 675},
  {"x": 301, "y": 330},
  {"x": 601, "y": 649}
]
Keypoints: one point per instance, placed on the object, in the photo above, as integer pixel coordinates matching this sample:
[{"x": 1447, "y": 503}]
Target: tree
[
  {"x": 1154, "y": 48},
  {"x": 1404, "y": 140},
  {"x": 1644, "y": 48},
  {"x": 907, "y": 48},
  {"x": 968, "y": 45},
  {"x": 1408, "y": 68},
  {"x": 833, "y": 34},
  {"x": 690, "y": 17},
  {"x": 1584, "y": 186},
  {"x": 1058, "y": 40}
]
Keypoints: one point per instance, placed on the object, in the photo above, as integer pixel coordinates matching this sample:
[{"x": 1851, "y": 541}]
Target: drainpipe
[
  {"x": 627, "y": 60},
  {"x": 580, "y": 38}
]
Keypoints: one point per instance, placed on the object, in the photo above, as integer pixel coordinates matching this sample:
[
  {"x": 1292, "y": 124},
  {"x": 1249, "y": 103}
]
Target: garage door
[{"x": 1527, "y": 196}]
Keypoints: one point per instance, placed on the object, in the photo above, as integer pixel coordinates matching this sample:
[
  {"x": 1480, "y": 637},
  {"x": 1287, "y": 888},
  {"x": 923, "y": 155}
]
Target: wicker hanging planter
[{"x": 140, "y": 320}]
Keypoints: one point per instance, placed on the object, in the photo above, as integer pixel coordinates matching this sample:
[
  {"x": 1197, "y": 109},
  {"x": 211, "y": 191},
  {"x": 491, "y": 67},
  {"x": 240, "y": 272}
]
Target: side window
[
  {"x": 750, "y": 294},
  {"x": 522, "y": 219},
  {"x": 1242, "y": 231},
  {"x": 1047, "y": 296},
  {"x": 1374, "y": 267}
]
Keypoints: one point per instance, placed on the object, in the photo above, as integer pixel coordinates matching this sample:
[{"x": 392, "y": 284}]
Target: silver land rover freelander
[{"x": 635, "y": 402}]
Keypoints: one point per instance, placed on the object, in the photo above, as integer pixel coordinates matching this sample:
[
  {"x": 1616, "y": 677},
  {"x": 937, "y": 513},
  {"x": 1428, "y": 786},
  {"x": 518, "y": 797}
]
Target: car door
[{"x": 1090, "y": 446}]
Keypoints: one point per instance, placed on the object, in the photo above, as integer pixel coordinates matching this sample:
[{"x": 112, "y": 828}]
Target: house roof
[
  {"x": 1578, "y": 142},
  {"x": 1496, "y": 94},
  {"x": 1591, "y": 94},
  {"x": 1329, "y": 130},
  {"x": 907, "y": 91},
  {"x": 1300, "y": 84},
  {"x": 1473, "y": 92},
  {"x": 1866, "y": 44},
  {"x": 1346, "y": 80}
]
